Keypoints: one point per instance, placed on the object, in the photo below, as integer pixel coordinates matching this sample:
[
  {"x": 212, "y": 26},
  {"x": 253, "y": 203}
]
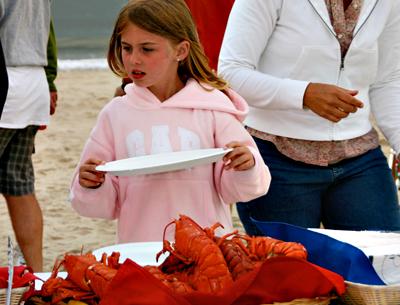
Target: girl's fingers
[
  {"x": 239, "y": 150},
  {"x": 89, "y": 183},
  {"x": 88, "y": 175},
  {"x": 240, "y": 158},
  {"x": 244, "y": 166},
  {"x": 237, "y": 161},
  {"x": 91, "y": 179},
  {"x": 96, "y": 177},
  {"x": 241, "y": 162}
]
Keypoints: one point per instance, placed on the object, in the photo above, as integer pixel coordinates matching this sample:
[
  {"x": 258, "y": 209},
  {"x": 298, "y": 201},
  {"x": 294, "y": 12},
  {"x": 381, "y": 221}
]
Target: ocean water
[{"x": 83, "y": 29}]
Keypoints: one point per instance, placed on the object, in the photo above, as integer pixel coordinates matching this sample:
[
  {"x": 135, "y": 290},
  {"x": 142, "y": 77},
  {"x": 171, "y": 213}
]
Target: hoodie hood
[{"x": 192, "y": 96}]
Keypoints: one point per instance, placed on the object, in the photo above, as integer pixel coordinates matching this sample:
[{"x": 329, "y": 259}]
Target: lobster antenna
[
  {"x": 166, "y": 244},
  {"x": 165, "y": 228},
  {"x": 223, "y": 237}
]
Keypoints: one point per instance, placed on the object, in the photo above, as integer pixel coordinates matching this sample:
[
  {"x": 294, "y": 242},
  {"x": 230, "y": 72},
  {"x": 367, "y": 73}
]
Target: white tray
[
  {"x": 142, "y": 253},
  {"x": 163, "y": 162}
]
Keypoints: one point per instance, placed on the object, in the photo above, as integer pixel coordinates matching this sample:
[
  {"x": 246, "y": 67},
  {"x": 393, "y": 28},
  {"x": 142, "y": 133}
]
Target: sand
[{"x": 82, "y": 93}]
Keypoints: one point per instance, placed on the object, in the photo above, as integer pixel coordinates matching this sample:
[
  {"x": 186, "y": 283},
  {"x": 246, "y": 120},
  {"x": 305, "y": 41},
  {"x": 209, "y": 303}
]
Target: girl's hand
[
  {"x": 240, "y": 158},
  {"x": 89, "y": 177}
]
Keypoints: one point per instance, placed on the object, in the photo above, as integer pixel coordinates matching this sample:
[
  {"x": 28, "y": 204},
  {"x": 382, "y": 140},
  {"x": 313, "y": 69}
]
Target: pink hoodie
[{"x": 139, "y": 124}]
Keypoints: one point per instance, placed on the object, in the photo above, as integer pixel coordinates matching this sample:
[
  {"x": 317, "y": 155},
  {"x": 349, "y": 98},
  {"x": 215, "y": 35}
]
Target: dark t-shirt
[{"x": 3, "y": 80}]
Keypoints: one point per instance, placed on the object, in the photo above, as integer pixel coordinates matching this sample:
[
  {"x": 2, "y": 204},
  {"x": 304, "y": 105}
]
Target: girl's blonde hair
[{"x": 170, "y": 19}]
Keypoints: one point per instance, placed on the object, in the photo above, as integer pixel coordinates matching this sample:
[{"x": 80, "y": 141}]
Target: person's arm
[
  {"x": 3, "y": 80},
  {"x": 385, "y": 92},
  {"x": 3, "y": 73},
  {"x": 51, "y": 68},
  {"x": 250, "y": 29},
  {"x": 238, "y": 185},
  {"x": 101, "y": 201},
  {"x": 250, "y": 26}
]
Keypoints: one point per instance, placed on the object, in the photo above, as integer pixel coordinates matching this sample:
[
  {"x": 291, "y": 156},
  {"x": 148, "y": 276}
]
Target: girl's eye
[
  {"x": 147, "y": 49},
  {"x": 126, "y": 48}
]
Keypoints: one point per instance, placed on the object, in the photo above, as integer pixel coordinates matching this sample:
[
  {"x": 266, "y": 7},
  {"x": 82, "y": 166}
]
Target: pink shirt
[{"x": 139, "y": 124}]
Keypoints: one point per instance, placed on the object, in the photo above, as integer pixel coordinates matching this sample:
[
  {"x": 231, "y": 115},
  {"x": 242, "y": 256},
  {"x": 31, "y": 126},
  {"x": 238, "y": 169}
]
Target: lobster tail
[{"x": 98, "y": 278}]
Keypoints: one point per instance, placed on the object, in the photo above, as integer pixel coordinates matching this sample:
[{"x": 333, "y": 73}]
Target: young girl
[{"x": 174, "y": 103}]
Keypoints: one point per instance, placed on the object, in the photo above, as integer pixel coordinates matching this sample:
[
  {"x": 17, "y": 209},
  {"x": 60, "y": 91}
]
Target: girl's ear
[{"x": 182, "y": 50}]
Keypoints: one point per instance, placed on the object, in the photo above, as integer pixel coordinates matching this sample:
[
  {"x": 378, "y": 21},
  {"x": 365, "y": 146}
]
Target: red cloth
[
  {"x": 211, "y": 17},
  {"x": 22, "y": 276},
  {"x": 279, "y": 279}
]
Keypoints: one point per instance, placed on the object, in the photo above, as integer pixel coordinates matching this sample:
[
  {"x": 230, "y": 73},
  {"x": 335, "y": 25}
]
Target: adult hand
[
  {"x": 88, "y": 175},
  {"x": 53, "y": 102},
  {"x": 240, "y": 158},
  {"x": 331, "y": 102}
]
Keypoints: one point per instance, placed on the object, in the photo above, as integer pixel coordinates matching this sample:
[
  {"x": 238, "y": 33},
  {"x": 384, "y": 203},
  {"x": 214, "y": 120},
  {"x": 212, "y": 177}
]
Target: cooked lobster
[
  {"x": 87, "y": 278},
  {"x": 170, "y": 280},
  {"x": 208, "y": 270},
  {"x": 236, "y": 255},
  {"x": 263, "y": 247},
  {"x": 198, "y": 260}
]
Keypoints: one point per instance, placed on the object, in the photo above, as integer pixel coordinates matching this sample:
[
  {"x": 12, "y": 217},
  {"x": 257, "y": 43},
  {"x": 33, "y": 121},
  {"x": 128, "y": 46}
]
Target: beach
[{"x": 82, "y": 93}]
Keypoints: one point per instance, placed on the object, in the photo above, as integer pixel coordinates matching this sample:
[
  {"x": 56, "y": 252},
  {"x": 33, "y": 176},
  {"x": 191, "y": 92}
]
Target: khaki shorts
[{"x": 16, "y": 168}]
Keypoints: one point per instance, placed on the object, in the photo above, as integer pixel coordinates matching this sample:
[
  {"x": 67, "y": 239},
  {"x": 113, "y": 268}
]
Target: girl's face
[{"x": 151, "y": 61}]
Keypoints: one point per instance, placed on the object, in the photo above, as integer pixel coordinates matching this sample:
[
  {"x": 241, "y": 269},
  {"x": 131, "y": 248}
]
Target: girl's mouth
[{"x": 138, "y": 74}]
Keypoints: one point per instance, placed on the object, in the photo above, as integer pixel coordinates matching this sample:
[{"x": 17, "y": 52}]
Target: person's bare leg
[{"x": 27, "y": 221}]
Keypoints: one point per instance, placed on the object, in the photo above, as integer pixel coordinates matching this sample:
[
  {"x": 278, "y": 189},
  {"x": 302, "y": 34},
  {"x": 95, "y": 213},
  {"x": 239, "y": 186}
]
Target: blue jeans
[{"x": 354, "y": 194}]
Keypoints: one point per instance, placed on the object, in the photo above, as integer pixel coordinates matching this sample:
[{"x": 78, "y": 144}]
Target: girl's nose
[{"x": 136, "y": 58}]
